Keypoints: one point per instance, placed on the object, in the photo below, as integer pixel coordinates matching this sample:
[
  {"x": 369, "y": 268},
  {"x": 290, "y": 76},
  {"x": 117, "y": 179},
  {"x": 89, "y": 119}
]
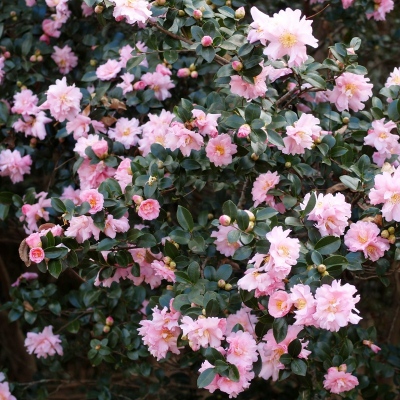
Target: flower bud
[
  {"x": 137, "y": 199},
  {"x": 391, "y": 230},
  {"x": 139, "y": 85},
  {"x": 326, "y": 273},
  {"x": 203, "y": 311},
  {"x": 7, "y": 54},
  {"x": 225, "y": 220},
  {"x": 32, "y": 58},
  {"x": 169, "y": 287},
  {"x": 244, "y": 131},
  {"x": 110, "y": 321},
  {"x": 392, "y": 239},
  {"x": 254, "y": 157},
  {"x": 183, "y": 72},
  {"x": 342, "y": 367},
  {"x": 27, "y": 306},
  {"x": 221, "y": 283},
  {"x": 106, "y": 329},
  {"x": 194, "y": 74},
  {"x": 100, "y": 148},
  {"x": 184, "y": 337},
  {"x": 176, "y": 245},
  {"x": 33, "y": 143},
  {"x": 228, "y": 287},
  {"x": 237, "y": 66},
  {"x": 321, "y": 268},
  {"x": 210, "y": 216},
  {"x": 251, "y": 215},
  {"x": 19, "y": 84},
  {"x": 240, "y": 13},
  {"x": 160, "y": 2},
  {"x": 93, "y": 63},
  {"x": 197, "y": 14},
  {"x": 98, "y": 347},
  {"x": 288, "y": 164},
  {"x": 192, "y": 67},
  {"x": 160, "y": 164},
  {"x": 346, "y": 120},
  {"x": 13, "y": 13},
  {"x": 206, "y": 41},
  {"x": 385, "y": 234},
  {"x": 98, "y": 9},
  {"x": 228, "y": 3},
  {"x": 250, "y": 227},
  {"x": 318, "y": 140},
  {"x": 172, "y": 264},
  {"x": 167, "y": 260},
  {"x": 181, "y": 13}
]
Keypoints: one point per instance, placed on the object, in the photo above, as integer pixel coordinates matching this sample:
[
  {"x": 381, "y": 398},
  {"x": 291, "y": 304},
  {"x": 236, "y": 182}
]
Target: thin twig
[
  {"x": 319, "y": 12},
  {"x": 242, "y": 199}
]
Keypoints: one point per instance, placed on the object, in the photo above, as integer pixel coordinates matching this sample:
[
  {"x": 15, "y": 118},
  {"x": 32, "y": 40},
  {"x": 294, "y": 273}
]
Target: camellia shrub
[{"x": 205, "y": 197}]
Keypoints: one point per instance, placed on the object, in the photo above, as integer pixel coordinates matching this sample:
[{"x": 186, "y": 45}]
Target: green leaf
[
  {"x": 279, "y": 329},
  {"x": 252, "y": 112},
  {"x": 55, "y": 252},
  {"x": 299, "y": 367},
  {"x": 315, "y": 80},
  {"x": 233, "y": 236},
  {"x": 242, "y": 253},
  {"x": 58, "y": 205},
  {"x": 4, "y": 112},
  {"x": 212, "y": 308},
  {"x": 229, "y": 208},
  {"x": 193, "y": 271},
  {"x": 350, "y": 182},
  {"x": 134, "y": 61},
  {"x": 180, "y": 236},
  {"x": 275, "y": 138},
  {"x": 223, "y": 272},
  {"x": 266, "y": 213},
  {"x": 242, "y": 219},
  {"x": 294, "y": 348},
  {"x": 328, "y": 245},
  {"x": 197, "y": 245},
  {"x": 286, "y": 359},
  {"x": 55, "y": 268},
  {"x": 185, "y": 218},
  {"x": 206, "y": 377},
  {"x": 335, "y": 260},
  {"x": 26, "y": 43},
  {"x": 147, "y": 240},
  {"x": 107, "y": 244}
]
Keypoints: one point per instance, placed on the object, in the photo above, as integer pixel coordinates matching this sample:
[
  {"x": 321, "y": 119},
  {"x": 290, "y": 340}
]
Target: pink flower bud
[
  {"x": 197, "y": 14},
  {"x": 45, "y": 38},
  {"x": 342, "y": 367},
  {"x": 106, "y": 329},
  {"x": 237, "y": 66},
  {"x": 194, "y": 74},
  {"x": 137, "y": 199},
  {"x": 206, "y": 41},
  {"x": 110, "y": 321},
  {"x": 139, "y": 85},
  {"x": 36, "y": 255},
  {"x": 100, "y": 148},
  {"x": 244, "y": 131},
  {"x": 33, "y": 240},
  {"x": 183, "y": 72},
  {"x": 32, "y": 58},
  {"x": 240, "y": 13},
  {"x": 225, "y": 220},
  {"x": 7, "y": 54}
]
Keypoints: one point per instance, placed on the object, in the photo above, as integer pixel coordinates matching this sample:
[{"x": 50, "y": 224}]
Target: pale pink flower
[
  {"x": 164, "y": 270},
  {"x": 287, "y": 34},
  {"x": 264, "y": 283},
  {"x": 84, "y": 142},
  {"x": 149, "y": 209},
  {"x": 379, "y": 136},
  {"x": 244, "y": 318},
  {"x": 155, "y": 131},
  {"x": 82, "y": 228},
  {"x": 206, "y": 123},
  {"x": 339, "y": 381},
  {"x": 72, "y": 194},
  {"x": 100, "y": 149},
  {"x": 124, "y": 174},
  {"x": 126, "y": 53},
  {"x": 365, "y": 236},
  {"x": 86, "y": 10},
  {"x": 279, "y": 304},
  {"x": 304, "y": 303},
  {"x": 63, "y": 101},
  {"x": 220, "y": 150},
  {"x": 394, "y": 78},
  {"x": 79, "y": 126},
  {"x": 178, "y": 137},
  {"x": 382, "y": 7},
  {"x": 262, "y": 185},
  {"x": 331, "y": 212},
  {"x": 248, "y": 90},
  {"x": 335, "y": 306},
  {"x": 65, "y": 58},
  {"x": 276, "y": 73},
  {"x": 284, "y": 250},
  {"x": 36, "y": 255},
  {"x": 51, "y": 28},
  {"x": 94, "y": 198},
  {"x": 25, "y": 103},
  {"x": 44, "y": 343},
  {"x": 258, "y": 31},
  {"x": 32, "y": 213},
  {"x": 114, "y": 226},
  {"x": 203, "y": 332},
  {"x": 242, "y": 349},
  {"x": 2, "y": 72},
  {"x": 5, "y": 393},
  {"x": 126, "y": 131},
  {"x": 161, "y": 333},
  {"x": 109, "y": 70},
  {"x": 14, "y": 166},
  {"x": 33, "y": 125},
  {"x": 33, "y": 240},
  {"x": 126, "y": 84},
  {"x": 244, "y": 131},
  {"x": 28, "y": 276},
  {"x": 387, "y": 190},
  {"x": 92, "y": 175},
  {"x": 347, "y": 3},
  {"x": 132, "y": 11},
  {"x": 372, "y": 346},
  {"x": 160, "y": 83},
  {"x": 301, "y": 135},
  {"x": 221, "y": 240},
  {"x": 350, "y": 91},
  {"x": 271, "y": 351},
  {"x": 30, "y": 3}
]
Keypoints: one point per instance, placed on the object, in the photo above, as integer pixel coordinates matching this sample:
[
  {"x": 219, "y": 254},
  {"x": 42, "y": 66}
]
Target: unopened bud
[
  {"x": 391, "y": 230},
  {"x": 244, "y": 131},
  {"x": 250, "y": 227},
  {"x": 197, "y": 14},
  {"x": 100, "y": 148},
  {"x": 33, "y": 143},
  {"x": 240, "y": 13},
  {"x": 39, "y": 58},
  {"x": 160, "y": 2},
  {"x": 385, "y": 234},
  {"x": 318, "y": 141},
  {"x": 183, "y": 73},
  {"x": 194, "y": 74},
  {"x": 225, "y": 220},
  {"x": 392, "y": 239},
  {"x": 310, "y": 267},
  {"x": 98, "y": 9},
  {"x": 184, "y": 337},
  {"x": 160, "y": 164},
  {"x": 98, "y": 347},
  {"x": 106, "y": 329},
  {"x": 192, "y": 67},
  {"x": 203, "y": 311},
  {"x": 206, "y": 41},
  {"x": 228, "y": 3},
  {"x": 210, "y": 216},
  {"x": 254, "y": 157},
  {"x": 13, "y": 13},
  {"x": 176, "y": 245},
  {"x": 346, "y": 120},
  {"x": 6, "y": 54},
  {"x": 19, "y": 83},
  {"x": 251, "y": 215},
  {"x": 169, "y": 287},
  {"x": 342, "y": 367},
  {"x": 181, "y": 13},
  {"x": 288, "y": 164},
  {"x": 27, "y": 306},
  {"x": 137, "y": 199},
  {"x": 93, "y": 63},
  {"x": 237, "y": 66},
  {"x": 32, "y": 58},
  {"x": 321, "y": 268},
  {"x": 221, "y": 283},
  {"x": 172, "y": 264},
  {"x": 228, "y": 287},
  {"x": 326, "y": 273},
  {"x": 167, "y": 260}
]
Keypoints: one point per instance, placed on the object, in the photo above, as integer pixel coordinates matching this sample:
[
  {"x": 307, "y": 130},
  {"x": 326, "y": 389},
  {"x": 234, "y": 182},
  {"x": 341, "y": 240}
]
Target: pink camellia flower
[
  {"x": 248, "y": 90},
  {"x": 28, "y": 276},
  {"x": 350, "y": 91},
  {"x": 287, "y": 34},
  {"x": 222, "y": 244},
  {"x": 279, "y": 304},
  {"x": 94, "y": 198},
  {"x": 126, "y": 84},
  {"x": 164, "y": 270},
  {"x": 14, "y": 166},
  {"x": 206, "y": 123},
  {"x": 331, "y": 212},
  {"x": 2, "y": 72},
  {"x": 5, "y": 393},
  {"x": 203, "y": 332},
  {"x": 244, "y": 318},
  {"x": 339, "y": 381},
  {"x": 114, "y": 226},
  {"x": 92, "y": 175},
  {"x": 32, "y": 213},
  {"x": 379, "y": 136},
  {"x": 82, "y": 228},
  {"x": 139, "y": 85},
  {"x": 126, "y": 131},
  {"x": 70, "y": 193},
  {"x": 33, "y": 240},
  {"x": 84, "y": 142},
  {"x": 301, "y": 135},
  {"x": 220, "y": 149},
  {"x": 365, "y": 236},
  {"x": 100, "y": 148},
  {"x": 178, "y": 137},
  {"x": 244, "y": 131},
  {"x": 372, "y": 346},
  {"x": 132, "y": 11},
  {"x": 394, "y": 78},
  {"x": 242, "y": 349},
  {"x": 304, "y": 302},
  {"x": 36, "y": 255},
  {"x": 79, "y": 126},
  {"x": 109, "y": 70},
  {"x": 51, "y": 28},
  {"x": 25, "y": 103},
  {"x": 382, "y": 7},
  {"x": 284, "y": 250},
  {"x": 65, "y": 58},
  {"x": 160, "y": 82},
  {"x": 137, "y": 199},
  {"x": 161, "y": 333},
  {"x": 262, "y": 185},
  {"x": 149, "y": 209},
  {"x": 335, "y": 306},
  {"x": 347, "y": 3},
  {"x": 33, "y": 125},
  {"x": 124, "y": 174},
  {"x": 86, "y": 10},
  {"x": 63, "y": 101},
  {"x": 127, "y": 52},
  {"x": 44, "y": 343}
]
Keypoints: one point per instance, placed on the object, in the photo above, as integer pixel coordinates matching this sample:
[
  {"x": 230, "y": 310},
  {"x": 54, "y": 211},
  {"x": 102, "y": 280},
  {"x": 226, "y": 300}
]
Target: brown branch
[
  {"x": 319, "y": 12},
  {"x": 220, "y": 60},
  {"x": 242, "y": 199}
]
